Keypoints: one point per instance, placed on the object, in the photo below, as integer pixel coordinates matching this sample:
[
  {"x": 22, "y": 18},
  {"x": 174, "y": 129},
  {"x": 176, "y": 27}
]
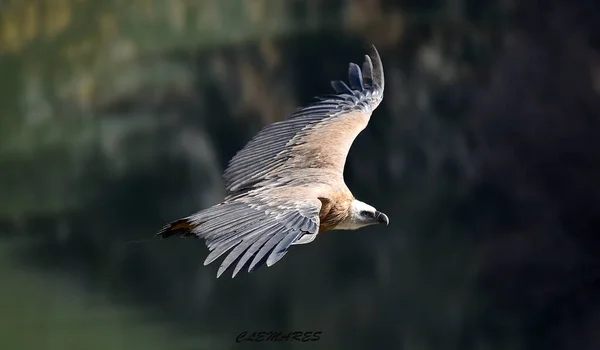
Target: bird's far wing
[
  {"x": 316, "y": 136},
  {"x": 259, "y": 226}
]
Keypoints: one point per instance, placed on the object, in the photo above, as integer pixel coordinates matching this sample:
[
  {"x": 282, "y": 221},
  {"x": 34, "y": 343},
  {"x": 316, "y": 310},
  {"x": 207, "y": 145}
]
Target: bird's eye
[{"x": 366, "y": 213}]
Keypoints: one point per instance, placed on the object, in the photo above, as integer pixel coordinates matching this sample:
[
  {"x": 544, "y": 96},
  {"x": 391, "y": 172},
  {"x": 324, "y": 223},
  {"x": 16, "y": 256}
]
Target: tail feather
[{"x": 181, "y": 228}]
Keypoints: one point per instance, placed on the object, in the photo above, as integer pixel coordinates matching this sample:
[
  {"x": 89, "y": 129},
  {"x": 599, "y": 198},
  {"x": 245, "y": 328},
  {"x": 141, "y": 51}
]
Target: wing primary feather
[
  {"x": 237, "y": 253},
  {"x": 355, "y": 77},
  {"x": 250, "y": 252},
  {"x": 225, "y": 236},
  {"x": 305, "y": 239},
  {"x": 221, "y": 248},
  {"x": 266, "y": 248},
  {"x": 367, "y": 72},
  {"x": 259, "y": 263},
  {"x": 249, "y": 239},
  {"x": 329, "y": 97},
  {"x": 226, "y": 239},
  {"x": 281, "y": 248},
  {"x": 216, "y": 253},
  {"x": 340, "y": 87},
  {"x": 378, "y": 77}
]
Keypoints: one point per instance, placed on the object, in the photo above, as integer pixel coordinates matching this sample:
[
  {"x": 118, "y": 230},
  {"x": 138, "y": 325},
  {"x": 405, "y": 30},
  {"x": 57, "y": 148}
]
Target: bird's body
[{"x": 286, "y": 185}]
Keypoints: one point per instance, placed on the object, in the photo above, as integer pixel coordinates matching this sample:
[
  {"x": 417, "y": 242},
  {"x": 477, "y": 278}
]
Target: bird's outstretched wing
[
  {"x": 259, "y": 227},
  {"x": 275, "y": 182},
  {"x": 318, "y": 136}
]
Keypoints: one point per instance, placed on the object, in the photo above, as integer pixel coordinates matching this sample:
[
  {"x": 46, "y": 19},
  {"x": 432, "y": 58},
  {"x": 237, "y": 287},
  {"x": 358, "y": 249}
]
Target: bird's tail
[
  {"x": 184, "y": 227},
  {"x": 181, "y": 228}
]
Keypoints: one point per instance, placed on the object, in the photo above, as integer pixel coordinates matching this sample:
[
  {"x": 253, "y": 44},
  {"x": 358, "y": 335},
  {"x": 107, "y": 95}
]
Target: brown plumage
[
  {"x": 333, "y": 211},
  {"x": 287, "y": 184}
]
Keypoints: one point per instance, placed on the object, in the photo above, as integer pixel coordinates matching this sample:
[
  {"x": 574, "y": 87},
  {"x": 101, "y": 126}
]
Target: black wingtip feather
[
  {"x": 355, "y": 77},
  {"x": 370, "y": 76}
]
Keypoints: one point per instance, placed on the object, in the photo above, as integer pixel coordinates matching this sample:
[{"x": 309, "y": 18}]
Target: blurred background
[{"x": 119, "y": 116}]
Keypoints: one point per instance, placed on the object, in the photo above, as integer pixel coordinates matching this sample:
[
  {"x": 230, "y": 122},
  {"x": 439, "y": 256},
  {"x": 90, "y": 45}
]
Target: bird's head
[{"x": 360, "y": 215}]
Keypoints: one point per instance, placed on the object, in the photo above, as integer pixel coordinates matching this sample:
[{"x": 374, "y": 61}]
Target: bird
[{"x": 286, "y": 185}]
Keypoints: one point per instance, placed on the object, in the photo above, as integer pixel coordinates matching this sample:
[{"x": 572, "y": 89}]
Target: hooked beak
[{"x": 382, "y": 218}]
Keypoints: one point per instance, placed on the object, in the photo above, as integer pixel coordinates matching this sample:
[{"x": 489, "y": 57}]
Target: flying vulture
[{"x": 287, "y": 185}]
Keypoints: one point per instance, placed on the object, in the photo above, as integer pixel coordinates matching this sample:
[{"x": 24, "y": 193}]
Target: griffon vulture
[{"x": 286, "y": 185}]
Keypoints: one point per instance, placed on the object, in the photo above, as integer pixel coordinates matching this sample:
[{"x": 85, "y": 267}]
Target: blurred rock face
[{"x": 536, "y": 148}]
